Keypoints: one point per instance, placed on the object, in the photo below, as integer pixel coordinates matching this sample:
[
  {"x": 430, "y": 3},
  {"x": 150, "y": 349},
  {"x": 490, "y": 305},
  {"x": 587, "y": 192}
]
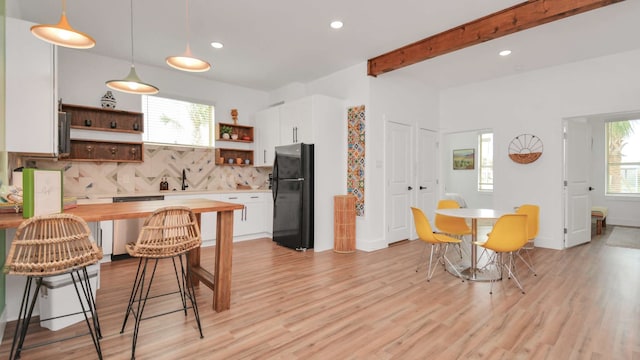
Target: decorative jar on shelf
[{"x": 108, "y": 101}]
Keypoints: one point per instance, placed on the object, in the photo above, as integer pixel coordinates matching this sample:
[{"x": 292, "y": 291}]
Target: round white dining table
[{"x": 472, "y": 272}]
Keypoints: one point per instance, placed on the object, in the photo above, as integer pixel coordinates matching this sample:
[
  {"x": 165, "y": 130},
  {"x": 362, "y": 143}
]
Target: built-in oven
[{"x": 126, "y": 231}]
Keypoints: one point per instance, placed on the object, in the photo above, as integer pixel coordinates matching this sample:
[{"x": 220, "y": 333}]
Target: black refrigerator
[{"x": 292, "y": 190}]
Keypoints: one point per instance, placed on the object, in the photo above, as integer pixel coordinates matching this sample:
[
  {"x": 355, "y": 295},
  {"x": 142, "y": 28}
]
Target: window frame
[
  {"x": 485, "y": 187},
  {"x": 608, "y": 163},
  {"x": 210, "y": 132}
]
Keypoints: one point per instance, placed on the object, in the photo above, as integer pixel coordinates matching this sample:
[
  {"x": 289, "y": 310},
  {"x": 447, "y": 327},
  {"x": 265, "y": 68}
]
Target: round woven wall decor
[{"x": 525, "y": 148}]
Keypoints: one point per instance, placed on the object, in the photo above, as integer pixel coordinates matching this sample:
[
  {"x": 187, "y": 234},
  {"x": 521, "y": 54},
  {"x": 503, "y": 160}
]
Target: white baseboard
[{"x": 371, "y": 245}]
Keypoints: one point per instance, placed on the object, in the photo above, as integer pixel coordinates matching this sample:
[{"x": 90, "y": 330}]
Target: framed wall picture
[{"x": 463, "y": 159}]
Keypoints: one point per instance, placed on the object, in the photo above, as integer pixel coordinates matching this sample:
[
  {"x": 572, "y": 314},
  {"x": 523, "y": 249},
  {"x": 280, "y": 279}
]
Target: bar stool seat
[
  {"x": 50, "y": 245},
  {"x": 169, "y": 232}
]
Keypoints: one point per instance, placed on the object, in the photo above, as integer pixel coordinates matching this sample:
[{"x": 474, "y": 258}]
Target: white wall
[
  {"x": 399, "y": 99},
  {"x": 82, "y": 79},
  {"x": 386, "y": 98},
  {"x": 352, "y": 85},
  {"x": 536, "y": 102},
  {"x": 463, "y": 182}
]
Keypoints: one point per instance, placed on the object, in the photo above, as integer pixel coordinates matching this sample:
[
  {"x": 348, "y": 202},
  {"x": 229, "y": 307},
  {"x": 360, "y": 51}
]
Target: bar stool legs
[
  {"x": 78, "y": 276},
  {"x": 140, "y": 295}
]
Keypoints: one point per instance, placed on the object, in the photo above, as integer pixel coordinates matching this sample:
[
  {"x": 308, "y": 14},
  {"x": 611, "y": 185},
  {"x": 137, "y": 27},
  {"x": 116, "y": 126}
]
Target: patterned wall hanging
[{"x": 355, "y": 156}]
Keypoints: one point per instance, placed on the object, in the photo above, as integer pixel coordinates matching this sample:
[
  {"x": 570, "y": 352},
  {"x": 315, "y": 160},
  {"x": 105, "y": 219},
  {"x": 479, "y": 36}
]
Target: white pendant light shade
[
  {"x": 63, "y": 34},
  {"x": 132, "y": 84},
  {"x": 187, "y": 62}
]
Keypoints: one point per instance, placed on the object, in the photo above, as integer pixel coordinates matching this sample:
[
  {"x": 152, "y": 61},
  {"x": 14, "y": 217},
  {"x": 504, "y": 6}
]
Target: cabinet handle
[
  {"x": 254, "y": 197},
  {"x": 232, "y": 197},
  {"x": 264, "y": 156},
  {"x": 295, "y": 129},
  {"x": 245, "y": 213}
]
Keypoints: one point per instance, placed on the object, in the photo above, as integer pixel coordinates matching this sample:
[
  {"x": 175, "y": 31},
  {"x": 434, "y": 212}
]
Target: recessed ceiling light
[
  {"x": 336, "y": 24},
  {"x": 216, "y": 45},
  {"x": 505, "y": 52}
]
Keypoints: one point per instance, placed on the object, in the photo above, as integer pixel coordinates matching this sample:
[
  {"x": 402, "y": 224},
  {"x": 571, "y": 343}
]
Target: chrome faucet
[{"x": 184, "y": 180}]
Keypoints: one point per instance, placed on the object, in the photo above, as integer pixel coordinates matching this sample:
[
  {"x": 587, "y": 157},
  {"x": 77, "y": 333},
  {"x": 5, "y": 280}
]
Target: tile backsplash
[{"x": 160, "y": 161}]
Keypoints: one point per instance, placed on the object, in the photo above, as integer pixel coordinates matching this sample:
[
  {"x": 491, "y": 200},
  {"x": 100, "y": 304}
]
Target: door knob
[
  {"x": 591, "y": 189},
  {"x": 422, "y": 187},
  {"x": 409, "y": 188}
]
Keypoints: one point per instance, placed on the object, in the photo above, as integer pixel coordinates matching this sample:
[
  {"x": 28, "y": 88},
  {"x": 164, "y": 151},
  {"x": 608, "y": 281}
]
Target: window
[
  {"x": 170, "y": 121},
  {"x": 485, "y": 157},
  {"x": 623, "y": 157}
]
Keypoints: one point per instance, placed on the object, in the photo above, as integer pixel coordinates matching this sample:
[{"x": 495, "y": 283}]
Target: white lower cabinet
[
  {"x": 102, "y": 232},
  {"x": 207, "y": 220},
  {"x": 268, "y": 214},
  {"x": 248, "y": 221},
  {"x": 105, "y": 235}
]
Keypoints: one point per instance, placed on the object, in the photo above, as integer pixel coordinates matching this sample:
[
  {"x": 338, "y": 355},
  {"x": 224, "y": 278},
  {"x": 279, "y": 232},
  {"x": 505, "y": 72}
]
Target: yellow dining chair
[
  {"x": 509, "y": 234},
  {"x": 453, "y": 226},
  {"x": 439, "y": 244},
  {"x": 533, "y": 215}
]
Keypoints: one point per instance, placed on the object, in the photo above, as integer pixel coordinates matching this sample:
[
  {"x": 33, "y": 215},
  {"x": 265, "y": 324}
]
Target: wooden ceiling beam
[{"x": 508, "y": 21}]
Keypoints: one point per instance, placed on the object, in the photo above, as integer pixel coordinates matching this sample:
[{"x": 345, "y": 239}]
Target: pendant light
[
  {"x": 63, "y": 34},
  {"x": 132, "y": 83},
  {"x": 186, "y": 61}
]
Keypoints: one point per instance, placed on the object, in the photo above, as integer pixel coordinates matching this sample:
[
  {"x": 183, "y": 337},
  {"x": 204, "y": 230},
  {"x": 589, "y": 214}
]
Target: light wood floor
[{"x": 584, "y": 304}]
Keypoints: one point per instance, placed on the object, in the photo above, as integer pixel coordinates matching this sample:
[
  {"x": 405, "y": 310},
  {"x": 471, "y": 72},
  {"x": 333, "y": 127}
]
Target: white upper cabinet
[
  {"x": 267, "y": 136},
  {"x": 295, "y": 118},
  {"x": 31, "y": 92}
]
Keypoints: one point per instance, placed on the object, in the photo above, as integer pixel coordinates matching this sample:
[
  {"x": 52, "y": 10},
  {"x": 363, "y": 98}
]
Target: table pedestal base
[{"x": 481, "y": 274}]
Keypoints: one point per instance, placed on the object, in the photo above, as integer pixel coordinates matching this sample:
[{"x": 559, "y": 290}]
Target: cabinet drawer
[{"x": 89, "y": 150}]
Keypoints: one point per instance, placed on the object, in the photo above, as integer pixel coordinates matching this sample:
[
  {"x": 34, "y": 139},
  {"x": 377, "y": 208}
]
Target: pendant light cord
[
  {"x": 131, "y": 4},
  {"x": 187, "y": 22}
]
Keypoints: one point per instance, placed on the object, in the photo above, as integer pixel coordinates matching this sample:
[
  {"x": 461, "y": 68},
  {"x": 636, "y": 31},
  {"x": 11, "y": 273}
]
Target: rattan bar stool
[
  {"x": 169, "y": 232},
  {"x": 52, "y": 245}
]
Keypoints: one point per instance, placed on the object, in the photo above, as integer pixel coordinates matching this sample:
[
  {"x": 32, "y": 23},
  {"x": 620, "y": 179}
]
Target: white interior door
[
  {"x": 399, "y": 157},
  {"x": 427, "y": 165},
  {"x": 577, "y": 167}
]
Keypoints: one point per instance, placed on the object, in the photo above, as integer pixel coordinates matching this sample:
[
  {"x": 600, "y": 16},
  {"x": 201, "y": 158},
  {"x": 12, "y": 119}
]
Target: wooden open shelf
[
  {"x": 241, "y": 130},
  {"x": 223, "y": 156},
  {"x": 91, "y": 118},
  {"x": 113, "y": 151}
]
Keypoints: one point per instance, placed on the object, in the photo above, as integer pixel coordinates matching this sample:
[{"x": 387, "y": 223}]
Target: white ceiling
[{"x": 269, "y": 44}]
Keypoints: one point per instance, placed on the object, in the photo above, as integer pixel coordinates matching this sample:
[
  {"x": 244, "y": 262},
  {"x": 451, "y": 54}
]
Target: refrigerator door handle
[{"x": 274, "y": 181}]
